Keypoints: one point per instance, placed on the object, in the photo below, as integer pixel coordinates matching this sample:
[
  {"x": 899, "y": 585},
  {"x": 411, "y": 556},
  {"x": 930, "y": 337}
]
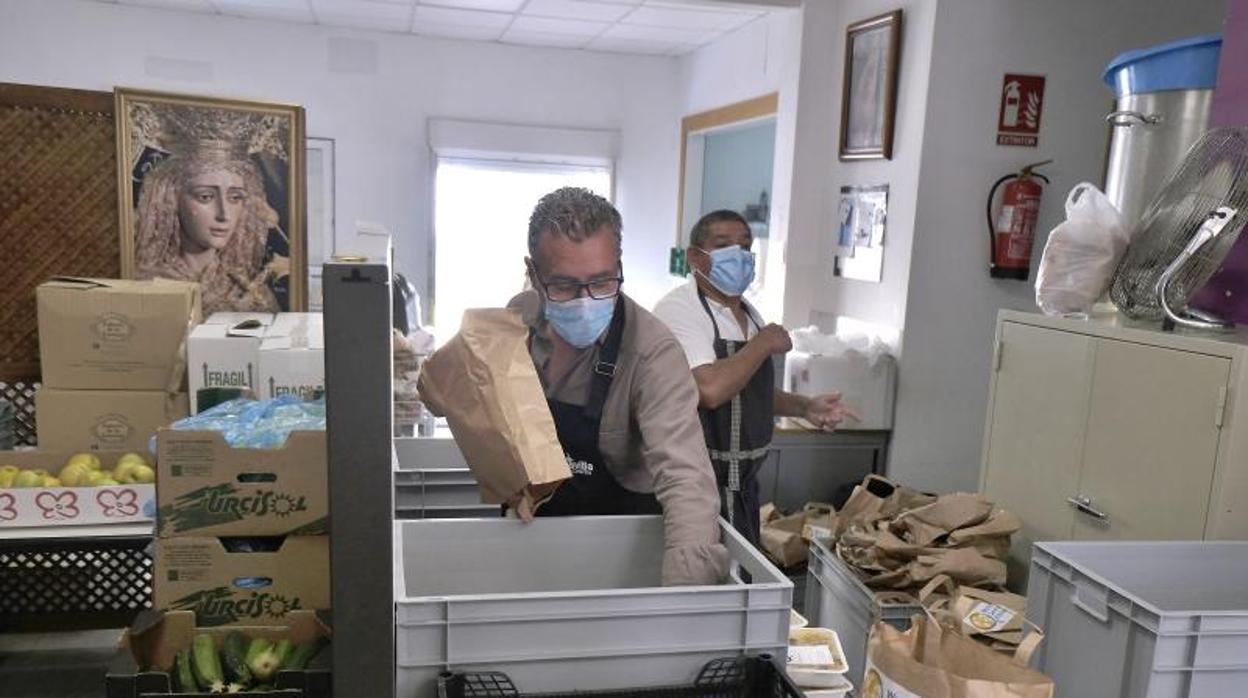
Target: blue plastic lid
[{"x": 1187, "y": 64}]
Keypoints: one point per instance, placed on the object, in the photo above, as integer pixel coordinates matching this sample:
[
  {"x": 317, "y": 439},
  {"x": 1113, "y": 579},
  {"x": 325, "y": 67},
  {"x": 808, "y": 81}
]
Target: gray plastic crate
[
  {"x": 836, "y": 599},
  {"x": 570, "y": 603},
  {"x": 1142, "y": 619},
  {"x": 439, "y": 494}
]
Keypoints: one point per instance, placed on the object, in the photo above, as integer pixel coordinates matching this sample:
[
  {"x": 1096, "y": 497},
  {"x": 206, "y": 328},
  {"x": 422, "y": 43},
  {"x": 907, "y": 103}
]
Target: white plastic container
[
  {"x": 571, "y": 603},
  {"x": 867, "y": 385},
  {"x": 829, "y": 672},
  {"x": 1142, "y": 619}
]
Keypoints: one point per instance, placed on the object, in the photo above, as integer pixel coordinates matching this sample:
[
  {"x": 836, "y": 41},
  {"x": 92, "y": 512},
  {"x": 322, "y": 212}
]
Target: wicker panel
[
  {"x": 58, "y": 204},
  {"x": 21, "y": 395}
]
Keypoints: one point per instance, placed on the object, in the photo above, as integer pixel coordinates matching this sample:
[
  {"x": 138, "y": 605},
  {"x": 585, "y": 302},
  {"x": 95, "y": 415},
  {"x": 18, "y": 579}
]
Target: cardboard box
[
  {"x": 293, "y": 324},
  {"x": 208, "y": 488},
  {"x": 292, "y": 357},
  {"x": 234, "y": 319},
  {"x": 71, "y": 506},
  {"x": 223, "y": 356},
  {"x": 104, "y": 420},
  {"x": 241, "y": 588},
  {"x": 112, "y": 334},
  {"x": 155, "y": 638}
]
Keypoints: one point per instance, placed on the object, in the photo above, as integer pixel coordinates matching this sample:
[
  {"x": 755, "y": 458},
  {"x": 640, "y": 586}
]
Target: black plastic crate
[
  {"x": 737, "y": 677},
  {"x": 73, "y": 584}
]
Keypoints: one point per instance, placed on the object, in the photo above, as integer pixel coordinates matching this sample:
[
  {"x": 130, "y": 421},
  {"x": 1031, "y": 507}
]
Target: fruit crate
[
  {"x": 736, "y": 677},
  {"x": 155, "y": 637},
  {"x": 76, "y": 583}
]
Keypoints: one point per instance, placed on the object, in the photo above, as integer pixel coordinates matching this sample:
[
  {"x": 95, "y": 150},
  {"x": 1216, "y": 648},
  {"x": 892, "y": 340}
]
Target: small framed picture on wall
[{"x": 869, "y": 87}]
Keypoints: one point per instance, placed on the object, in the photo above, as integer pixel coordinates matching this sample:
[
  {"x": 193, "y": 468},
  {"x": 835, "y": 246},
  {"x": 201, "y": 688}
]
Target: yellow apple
[
  {"x": 144, "y": 475},
  {"x": 91, "y": 460},
  {"x": 132, "y": 458},
  {"x": 49, "y": 481},
  {"x": 75, "y": 475},
  {"x": 107, "y": 482},
  {"x": 7, "y": 477},
  {"x": 123, "y": 473},
  {"x": 92, "y": 479},
  {"x": 28, "y": 478}
]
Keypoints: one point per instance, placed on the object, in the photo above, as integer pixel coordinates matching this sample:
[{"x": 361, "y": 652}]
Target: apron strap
[{"x": 604, "y": 368}]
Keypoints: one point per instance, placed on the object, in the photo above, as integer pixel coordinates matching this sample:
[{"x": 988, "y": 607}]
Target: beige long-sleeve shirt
[{"x": 650, "y": 436}]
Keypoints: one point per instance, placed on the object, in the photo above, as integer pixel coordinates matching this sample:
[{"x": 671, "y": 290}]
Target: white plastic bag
[{"x": 1081, "y": 254}]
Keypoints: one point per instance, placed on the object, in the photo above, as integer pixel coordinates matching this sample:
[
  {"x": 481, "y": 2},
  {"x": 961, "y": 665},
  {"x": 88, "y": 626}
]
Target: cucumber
[
  {"x": 264, "y": 666},
  {"x": 182, "y": 671},
  {"x": 233, "y": 653},
  {"x": 257, "y": 645},
  {"x": 303, "y": 654},
  {"x": 206, "y": 665},
  {"x": 283, "y": 650}
]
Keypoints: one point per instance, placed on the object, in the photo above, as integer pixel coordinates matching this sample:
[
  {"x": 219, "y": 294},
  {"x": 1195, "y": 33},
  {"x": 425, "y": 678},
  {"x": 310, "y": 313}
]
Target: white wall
[
  {"x": 377, "y": 116},
  {"x": 953, "y": 303},
  {"x": 760, "y": 58},
  {"x": 814, "y": 294}
]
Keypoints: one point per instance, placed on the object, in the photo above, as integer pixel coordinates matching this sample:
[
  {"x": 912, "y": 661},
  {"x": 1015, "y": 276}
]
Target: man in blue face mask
[
  {"x": 730, "y": 351},
  {"x": 618, "y": 388}
]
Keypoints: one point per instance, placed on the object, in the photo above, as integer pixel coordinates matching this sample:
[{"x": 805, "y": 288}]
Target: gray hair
[
  {"x": 575, "y": 213},
  {"x": 702, "y": 228}
]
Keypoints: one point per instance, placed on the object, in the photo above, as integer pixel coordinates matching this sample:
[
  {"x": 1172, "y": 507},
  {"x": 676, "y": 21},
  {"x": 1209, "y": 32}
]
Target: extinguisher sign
[{"x": 1022, "y": 98}]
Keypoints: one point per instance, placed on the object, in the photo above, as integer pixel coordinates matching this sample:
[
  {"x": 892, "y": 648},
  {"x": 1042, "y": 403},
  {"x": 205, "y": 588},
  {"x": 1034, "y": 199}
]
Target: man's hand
[
  {"x": 775, "y": 339},
  {"x": 827, "y": 411}
]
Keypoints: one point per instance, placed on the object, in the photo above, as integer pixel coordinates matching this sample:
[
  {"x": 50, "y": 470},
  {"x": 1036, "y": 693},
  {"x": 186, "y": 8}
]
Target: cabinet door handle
[{"x": 1084, "y": 505}]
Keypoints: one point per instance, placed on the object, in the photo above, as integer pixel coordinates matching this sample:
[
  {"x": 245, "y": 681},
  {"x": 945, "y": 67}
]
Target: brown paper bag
[
  {"x": 484, "y": 382},
  {"x": 781, "y": 537},
  {"x": 964, "y": 565},
  {"x": 933, "y": 662},
  {"x": 948, "y": 513},
  {"x": 820, "y": 521}
]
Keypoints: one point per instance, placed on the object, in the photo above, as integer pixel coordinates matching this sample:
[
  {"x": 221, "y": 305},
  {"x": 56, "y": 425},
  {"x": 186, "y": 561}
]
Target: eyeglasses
[{"x": 598, "y": 289}]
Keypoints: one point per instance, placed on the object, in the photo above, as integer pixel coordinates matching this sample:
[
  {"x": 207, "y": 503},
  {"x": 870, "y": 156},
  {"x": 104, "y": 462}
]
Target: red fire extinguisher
[{"x": 1013, "y": 229}]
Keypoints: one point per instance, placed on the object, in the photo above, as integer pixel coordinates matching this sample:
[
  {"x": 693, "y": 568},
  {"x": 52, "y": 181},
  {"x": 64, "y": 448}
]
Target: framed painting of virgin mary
[{"x": 213, "y": 190}]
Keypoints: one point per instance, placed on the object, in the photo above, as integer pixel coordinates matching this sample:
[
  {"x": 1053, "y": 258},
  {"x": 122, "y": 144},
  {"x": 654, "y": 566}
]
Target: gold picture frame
[{"x": 214, "y": 190}]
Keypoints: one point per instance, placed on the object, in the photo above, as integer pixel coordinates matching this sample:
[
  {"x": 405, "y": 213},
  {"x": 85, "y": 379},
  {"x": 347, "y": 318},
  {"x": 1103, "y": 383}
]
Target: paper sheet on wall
[{"x": 861, "y": 222}]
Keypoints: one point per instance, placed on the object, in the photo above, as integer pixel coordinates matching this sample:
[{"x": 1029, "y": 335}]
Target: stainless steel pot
[{"x": 1152, "y": 131}]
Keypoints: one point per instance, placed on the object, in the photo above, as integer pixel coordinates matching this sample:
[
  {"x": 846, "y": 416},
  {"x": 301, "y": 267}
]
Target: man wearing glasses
[
  {"x": 730, "y": 352},
  {"x": 618, "y": 386}
]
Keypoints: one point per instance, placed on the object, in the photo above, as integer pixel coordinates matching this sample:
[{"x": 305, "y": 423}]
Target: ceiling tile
[
  {"x": 545, "y": 25},
  {"x": 363, "y": 15},
  {"x": 193, "y": 5},
  {"x": 461, "y": 18},
  {"x": 658, "y": 48},
  {"x": 407, "y": 3},
  {"x": 451, "y": 31},
  {"x": 631, "y": 32},
  {"x": 285, "y": 10},
  {"x": 529, "y": 38},
  {"x": 696, "y": 17},
  {"x": 491, "y": 5},
  {"x": 576, "y": 9}
]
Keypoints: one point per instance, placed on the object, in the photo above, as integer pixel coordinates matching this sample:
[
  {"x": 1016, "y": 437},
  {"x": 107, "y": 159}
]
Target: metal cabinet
[{"x": 1108, "y": 430}]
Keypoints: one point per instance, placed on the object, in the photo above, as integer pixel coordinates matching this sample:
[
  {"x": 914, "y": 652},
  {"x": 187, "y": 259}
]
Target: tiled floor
[{"x": 56, "y": 665}]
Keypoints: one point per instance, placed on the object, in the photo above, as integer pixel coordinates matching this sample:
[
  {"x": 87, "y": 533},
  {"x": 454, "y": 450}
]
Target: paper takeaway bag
[
  {"x": 484, "y": 383},
  {"x": 932, "y": 662},
  {"x": 781, "y": 536}
]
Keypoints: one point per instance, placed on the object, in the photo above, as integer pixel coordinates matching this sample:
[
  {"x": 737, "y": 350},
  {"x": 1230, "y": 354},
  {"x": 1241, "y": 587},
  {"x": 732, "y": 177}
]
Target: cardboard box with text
[
  {"x": 112, "y": 334},
  {"x": 104, "y": 420},
  {"x": 223, "y": 356},
  {"x": 241, "y": 588},
  {"x": 207, "y": 488}
]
